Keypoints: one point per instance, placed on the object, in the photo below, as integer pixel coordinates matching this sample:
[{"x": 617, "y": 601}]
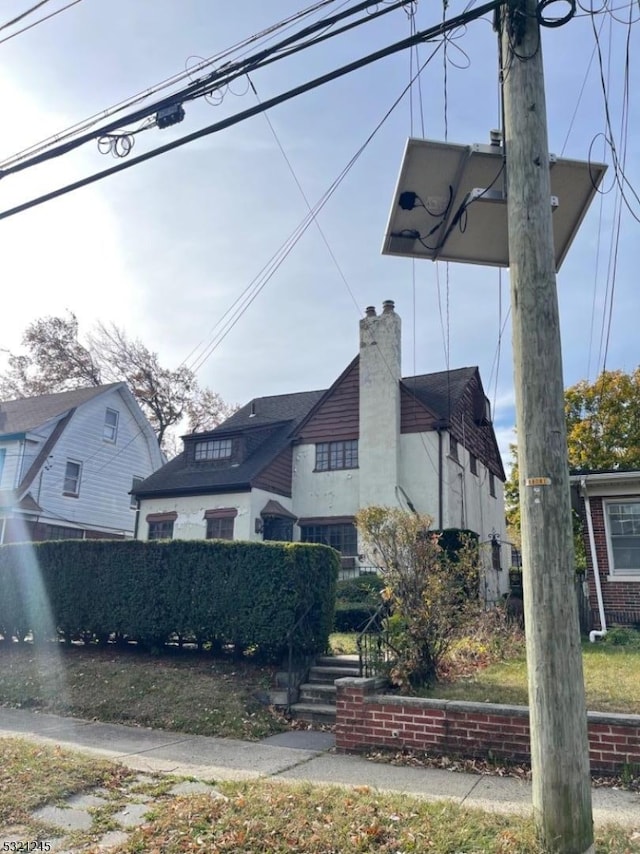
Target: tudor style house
[
  {"x": 68, "y": 462},
  {"x": 609, "y": 505},
  {"x": 299, "y": 466}
]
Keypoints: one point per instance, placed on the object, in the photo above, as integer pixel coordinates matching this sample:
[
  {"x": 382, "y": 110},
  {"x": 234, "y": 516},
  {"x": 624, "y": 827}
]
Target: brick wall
[{"x": 366, "y": 719}]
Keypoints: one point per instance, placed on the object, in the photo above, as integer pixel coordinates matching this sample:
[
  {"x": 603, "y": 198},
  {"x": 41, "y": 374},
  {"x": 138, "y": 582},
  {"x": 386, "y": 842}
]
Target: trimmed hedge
[
  {"x": 356, "y": 601},
  {"x": 247, "y": 594}
]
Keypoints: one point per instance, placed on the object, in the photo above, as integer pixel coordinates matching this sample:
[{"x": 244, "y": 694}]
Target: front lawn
[
  {"x": 611, "y": 674},
  {"x": 184, "y": 690},
  {"x": 269, "y": 816}
]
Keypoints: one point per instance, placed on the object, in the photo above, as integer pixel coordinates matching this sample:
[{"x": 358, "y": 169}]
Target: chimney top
[
  {"x": 387, "y": 306},
  {"x": 370, "y": 311}
]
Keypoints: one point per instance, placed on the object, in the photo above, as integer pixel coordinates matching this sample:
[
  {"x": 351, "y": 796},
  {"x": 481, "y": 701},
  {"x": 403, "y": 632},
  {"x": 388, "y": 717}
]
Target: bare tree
[{"x": 57, "y": 361}]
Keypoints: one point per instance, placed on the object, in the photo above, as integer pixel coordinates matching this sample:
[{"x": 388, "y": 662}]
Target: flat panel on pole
[{"x": 450, "y": 203}]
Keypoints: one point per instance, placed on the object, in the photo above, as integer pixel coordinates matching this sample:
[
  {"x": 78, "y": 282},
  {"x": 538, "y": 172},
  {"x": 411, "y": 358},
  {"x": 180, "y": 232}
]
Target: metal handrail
[{"x": 375, "y": 629}]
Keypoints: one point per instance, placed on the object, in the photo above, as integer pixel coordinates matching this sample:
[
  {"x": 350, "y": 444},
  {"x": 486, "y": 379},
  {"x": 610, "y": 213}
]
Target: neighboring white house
[
  {"x": 68, "y": 462},
  {"x": 300, "y": 466}
]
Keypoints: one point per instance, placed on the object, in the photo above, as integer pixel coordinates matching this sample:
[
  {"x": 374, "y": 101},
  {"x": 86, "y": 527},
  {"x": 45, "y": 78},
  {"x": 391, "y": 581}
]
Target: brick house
[
  {"x": 609, "y": 505},
  {"x": 299, "y": 466}
]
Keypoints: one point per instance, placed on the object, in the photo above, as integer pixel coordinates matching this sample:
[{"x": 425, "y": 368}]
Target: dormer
[{"x": 214, "y": 451}]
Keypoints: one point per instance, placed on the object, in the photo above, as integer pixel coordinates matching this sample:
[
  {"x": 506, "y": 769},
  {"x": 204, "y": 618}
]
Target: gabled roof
[
  {"x": 28, "y": 413},
  {"x": 440, "y": 392}
]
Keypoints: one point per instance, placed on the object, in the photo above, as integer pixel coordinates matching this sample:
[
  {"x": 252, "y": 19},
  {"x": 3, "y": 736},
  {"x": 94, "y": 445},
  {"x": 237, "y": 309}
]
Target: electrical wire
[
  {"x": 216, "y": 80},
  {"x": 263, "y": 36},
  {"x": 425, "y": 35},
  {"x": 22, "y": 15},
  {"x": 240, "y": 305},
  {"x": 39, "y": 21}
]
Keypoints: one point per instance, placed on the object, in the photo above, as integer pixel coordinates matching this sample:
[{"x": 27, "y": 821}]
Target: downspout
[
  {"x": 136, "y": 520},
  {"x": 594, "y": 563},
  {"x": 440, "y": 487}
]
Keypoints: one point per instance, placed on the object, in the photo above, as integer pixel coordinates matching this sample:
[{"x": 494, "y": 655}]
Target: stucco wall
[
  {"x": 190, "y": 524},
  {"x": 322, "y": 493}
]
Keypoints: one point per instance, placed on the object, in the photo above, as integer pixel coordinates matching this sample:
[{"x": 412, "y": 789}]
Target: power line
[
  {"x": 22, "y": 15},
  {"x": 423, "y": 36},
  {"x": 163, "y": 84},
  {"x": 215, "y": 81}
]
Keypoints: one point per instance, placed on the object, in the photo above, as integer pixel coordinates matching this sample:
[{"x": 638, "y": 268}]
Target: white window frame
[
  {"x": 74, "y": 491},
  {"x": 110, "y": 431},
  {"x": 618, "y": 574},
  {"x": 213, "y": 449}
]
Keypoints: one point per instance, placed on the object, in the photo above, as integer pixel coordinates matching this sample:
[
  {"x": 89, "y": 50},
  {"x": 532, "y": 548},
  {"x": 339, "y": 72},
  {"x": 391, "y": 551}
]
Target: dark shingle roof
[
  {"x": 281, "y": 412},
  {"x": 440, "y": 392},
  {"x": 269, "y": 410},
  {"x": 28, "y": 413},
  {"x": 178, "y": 477}
]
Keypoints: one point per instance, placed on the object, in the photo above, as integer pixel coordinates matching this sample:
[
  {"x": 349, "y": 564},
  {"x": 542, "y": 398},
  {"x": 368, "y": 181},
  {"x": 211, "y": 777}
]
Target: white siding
[{"x": 107, "y": 468}]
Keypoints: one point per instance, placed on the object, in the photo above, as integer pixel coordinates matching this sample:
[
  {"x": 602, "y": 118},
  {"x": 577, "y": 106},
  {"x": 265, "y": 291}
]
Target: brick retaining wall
[{"x": 366, "y": 719}]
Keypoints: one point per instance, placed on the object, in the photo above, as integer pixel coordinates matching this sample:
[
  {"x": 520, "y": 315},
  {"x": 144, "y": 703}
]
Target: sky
[{"x": 165, "y": 248}]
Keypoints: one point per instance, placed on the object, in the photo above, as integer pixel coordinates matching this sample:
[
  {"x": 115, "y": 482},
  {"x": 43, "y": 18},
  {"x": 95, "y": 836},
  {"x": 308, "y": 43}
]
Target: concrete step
[
  {"x": 314, "y": 713},
  {"x": 329, "y": 674},
  {"x": 316, "y": 692},
  {"x": 348, "y": 661}
]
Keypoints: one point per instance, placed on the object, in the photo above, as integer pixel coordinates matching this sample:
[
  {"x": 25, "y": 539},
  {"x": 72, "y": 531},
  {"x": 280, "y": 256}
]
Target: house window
[
  {"x": 342, "y": 537},
  {"x": 110, "y": 425},
  {"x": 72, "y": 479},
  {"x": 337, "y": 455},
  {"x": 220, "y": 529},
  {"x": 473, "y": 464},
  {"x": 453, "y": 448},
  {"x": 161, "y": 525},
  {"x": 492, "y": 485},
  {"x": 161, "y": 530},
  {"x": 220, "y": 523},
  {"x": 623, "y": 522},
  {"x": 135, "y": 483},
  {"x": 213, "y": 449}
]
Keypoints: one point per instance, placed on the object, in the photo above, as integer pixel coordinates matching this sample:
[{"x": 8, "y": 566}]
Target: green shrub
[
  {"x": 356, "y": 601},
  {"x": 623, "y": 637},
  {"x": 360, "y": 589},
  {"x": 250, "y": 595},
  {"x": 352, "y": 616}
]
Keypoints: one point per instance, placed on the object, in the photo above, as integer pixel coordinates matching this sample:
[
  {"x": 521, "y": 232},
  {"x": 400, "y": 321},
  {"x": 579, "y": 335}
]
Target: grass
[
  {"x": 32, "y": 775},
  {"x": 184, "y": 691},
  {"x": 281, "y": 819},
  {"x": 343, "y": 643},
  {"x": 265, "y": 816},
  {"x": 611, "y": 674}
]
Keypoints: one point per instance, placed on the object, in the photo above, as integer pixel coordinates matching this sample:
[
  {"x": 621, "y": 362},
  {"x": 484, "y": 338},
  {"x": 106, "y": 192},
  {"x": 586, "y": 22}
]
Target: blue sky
[{"x": 164, "y": 249}]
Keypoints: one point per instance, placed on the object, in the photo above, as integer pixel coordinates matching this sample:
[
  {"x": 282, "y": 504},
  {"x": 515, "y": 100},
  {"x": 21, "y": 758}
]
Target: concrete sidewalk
[{"x": 294, "y": 756}]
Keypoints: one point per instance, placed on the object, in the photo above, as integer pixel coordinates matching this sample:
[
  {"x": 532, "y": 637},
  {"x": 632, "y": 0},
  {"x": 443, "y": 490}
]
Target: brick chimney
[{"x": 380, "y": 371}]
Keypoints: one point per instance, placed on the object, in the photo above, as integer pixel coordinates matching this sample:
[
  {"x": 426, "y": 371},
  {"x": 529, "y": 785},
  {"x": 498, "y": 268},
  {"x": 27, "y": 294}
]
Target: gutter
[{"x": 594, "y": 563}]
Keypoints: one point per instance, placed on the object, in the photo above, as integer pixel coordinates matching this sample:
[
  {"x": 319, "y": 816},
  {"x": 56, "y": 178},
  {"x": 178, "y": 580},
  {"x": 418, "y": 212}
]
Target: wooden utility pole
[{"x": 558, "y": 720}]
